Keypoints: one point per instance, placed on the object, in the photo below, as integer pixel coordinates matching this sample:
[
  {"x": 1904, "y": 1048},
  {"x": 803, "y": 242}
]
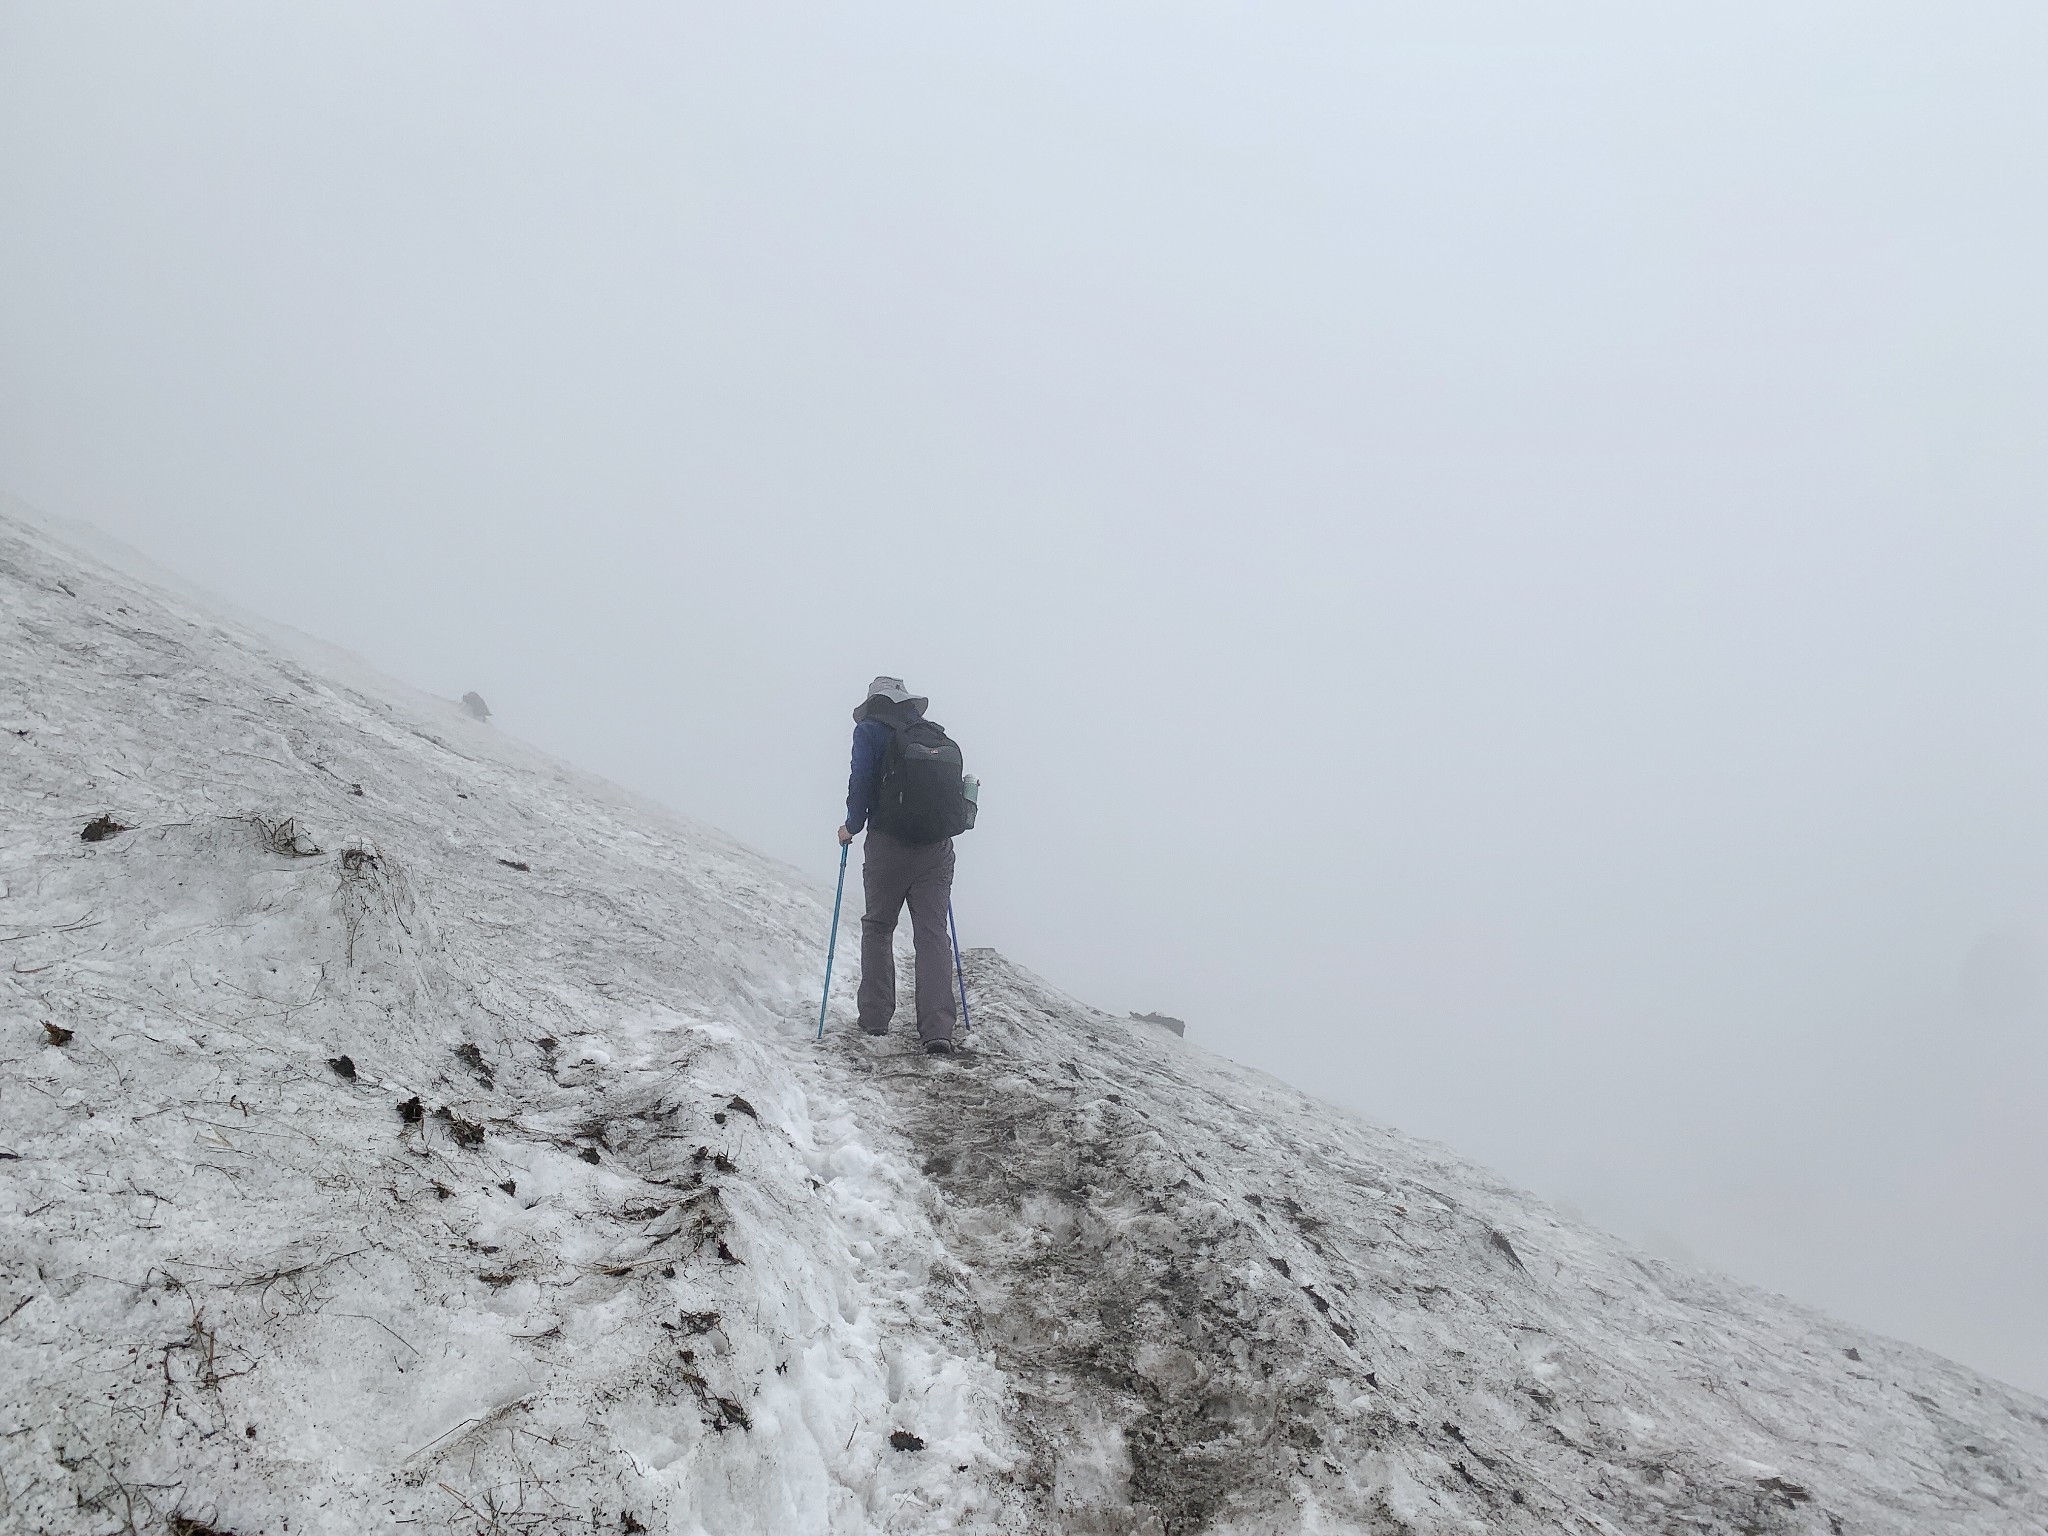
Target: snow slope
[{"x": 585, "y": 1234}]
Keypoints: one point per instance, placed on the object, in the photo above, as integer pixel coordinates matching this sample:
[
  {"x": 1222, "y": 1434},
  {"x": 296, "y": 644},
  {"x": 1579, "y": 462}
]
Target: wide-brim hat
[{"x": 892, "y": 689}]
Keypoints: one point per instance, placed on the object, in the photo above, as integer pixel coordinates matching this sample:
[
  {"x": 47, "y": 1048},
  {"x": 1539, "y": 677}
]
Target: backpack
[{"x": 920, "y": 798}]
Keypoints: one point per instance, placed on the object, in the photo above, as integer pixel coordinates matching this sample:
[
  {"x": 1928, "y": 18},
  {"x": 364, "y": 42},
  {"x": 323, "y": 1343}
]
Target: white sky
[{"x": 1490, "y": 556}]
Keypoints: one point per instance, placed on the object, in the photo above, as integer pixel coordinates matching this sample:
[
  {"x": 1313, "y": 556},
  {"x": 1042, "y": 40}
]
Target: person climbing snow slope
[{"x": 906, "y": 790}]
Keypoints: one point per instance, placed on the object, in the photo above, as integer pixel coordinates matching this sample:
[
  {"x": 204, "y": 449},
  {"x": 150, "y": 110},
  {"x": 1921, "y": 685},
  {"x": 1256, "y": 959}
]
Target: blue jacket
[{"x": 870, "y": 743}]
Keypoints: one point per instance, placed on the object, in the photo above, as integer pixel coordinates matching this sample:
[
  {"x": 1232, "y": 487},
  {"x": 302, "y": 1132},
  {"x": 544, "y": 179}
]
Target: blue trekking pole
[
  {"x": 832, "y": 948},
  {"x": 958, "y": 974}
]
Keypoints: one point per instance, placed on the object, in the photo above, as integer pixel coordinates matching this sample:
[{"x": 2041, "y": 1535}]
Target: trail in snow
[
  {"x": 439, "y": 1145},
  {"x": 1218, "y": 1298}
]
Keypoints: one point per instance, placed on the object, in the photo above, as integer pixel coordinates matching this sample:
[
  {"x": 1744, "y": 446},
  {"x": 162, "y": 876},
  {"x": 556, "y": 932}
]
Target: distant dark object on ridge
[
  {"x": 474, "y": 703},
  {"x": 1177, "y": 1026}
]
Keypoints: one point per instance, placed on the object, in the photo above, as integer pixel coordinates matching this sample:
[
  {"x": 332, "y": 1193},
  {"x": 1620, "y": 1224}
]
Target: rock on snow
[{"x": 438, "y": 1144}]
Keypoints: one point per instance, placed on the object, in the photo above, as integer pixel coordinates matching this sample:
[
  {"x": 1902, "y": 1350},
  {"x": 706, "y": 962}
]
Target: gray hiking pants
[{"x": 922, "y": 874}]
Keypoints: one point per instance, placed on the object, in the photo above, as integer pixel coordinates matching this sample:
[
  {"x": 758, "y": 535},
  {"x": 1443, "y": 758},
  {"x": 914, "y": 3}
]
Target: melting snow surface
[{"x": 399, "y": 1131}]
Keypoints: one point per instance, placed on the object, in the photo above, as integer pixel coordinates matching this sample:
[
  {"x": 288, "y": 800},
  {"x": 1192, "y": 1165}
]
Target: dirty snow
[{"x": 439, "y": 1144}]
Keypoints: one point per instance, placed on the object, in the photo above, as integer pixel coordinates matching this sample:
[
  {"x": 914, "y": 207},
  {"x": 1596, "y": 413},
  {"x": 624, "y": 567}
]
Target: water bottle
[{"x": 970, "y": 791}]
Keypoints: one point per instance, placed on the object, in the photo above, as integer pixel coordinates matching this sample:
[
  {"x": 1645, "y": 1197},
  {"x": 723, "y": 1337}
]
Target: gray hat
[{"x": 892, "y": 690}]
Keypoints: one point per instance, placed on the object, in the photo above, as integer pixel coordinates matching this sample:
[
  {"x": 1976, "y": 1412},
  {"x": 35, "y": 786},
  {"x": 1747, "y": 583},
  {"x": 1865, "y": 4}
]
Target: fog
[{"x": 1490, "y": 557}]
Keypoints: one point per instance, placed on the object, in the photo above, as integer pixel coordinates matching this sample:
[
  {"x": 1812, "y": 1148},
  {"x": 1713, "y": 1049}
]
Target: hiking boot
[{"x": 938, "y": 1047}]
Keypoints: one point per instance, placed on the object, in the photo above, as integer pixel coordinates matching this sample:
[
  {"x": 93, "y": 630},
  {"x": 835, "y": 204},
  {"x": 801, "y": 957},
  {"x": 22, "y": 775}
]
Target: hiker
[{"x": 907, "y": 789}]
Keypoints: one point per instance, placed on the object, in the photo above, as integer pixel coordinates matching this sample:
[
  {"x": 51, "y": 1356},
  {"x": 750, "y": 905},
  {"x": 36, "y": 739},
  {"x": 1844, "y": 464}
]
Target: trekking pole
[
  {"x": 832, "y": 947},
  {"x": 959, "y": 975}
]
